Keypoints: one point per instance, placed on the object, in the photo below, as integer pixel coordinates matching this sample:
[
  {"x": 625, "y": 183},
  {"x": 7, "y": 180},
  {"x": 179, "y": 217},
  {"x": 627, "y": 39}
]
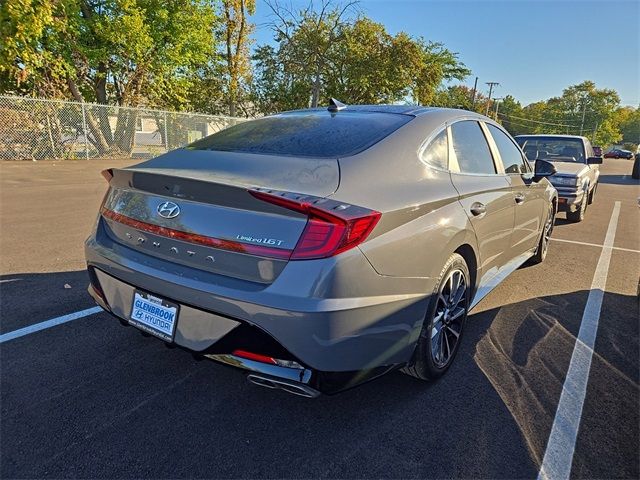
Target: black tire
[
  {"x": 579, "y": 214},
  {"x": 425, "y": 364},
  {"x": 543, "y": 244},
  {"x": 635, "y": 171},
  {"x": 592, "y": 194}
]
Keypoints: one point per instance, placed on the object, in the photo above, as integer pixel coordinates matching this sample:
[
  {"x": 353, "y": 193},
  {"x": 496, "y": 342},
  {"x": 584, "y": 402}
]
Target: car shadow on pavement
[
  {"x": 94, "y": 399},
  {"x": 559, "y": 221},
  {"x": 525, "y": 352},
  {"x": 619, "y": 179}
]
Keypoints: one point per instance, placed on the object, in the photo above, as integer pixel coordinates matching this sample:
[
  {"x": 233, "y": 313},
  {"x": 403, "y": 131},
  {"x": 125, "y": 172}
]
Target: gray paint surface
[{"x": 362, "y": 308}]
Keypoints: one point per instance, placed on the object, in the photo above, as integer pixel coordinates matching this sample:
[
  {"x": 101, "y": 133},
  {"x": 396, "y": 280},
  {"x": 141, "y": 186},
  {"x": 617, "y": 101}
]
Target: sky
[{"x": 533, "y": 48}]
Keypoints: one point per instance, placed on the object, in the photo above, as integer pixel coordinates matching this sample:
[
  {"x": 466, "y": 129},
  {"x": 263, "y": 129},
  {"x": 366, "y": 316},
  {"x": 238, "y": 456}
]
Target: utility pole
[
  {"x": 584, "y": 111},
  {"x": 497, "y": 107},
  {"x": 473, "y": 95},
  {"x": 491, "y": 84}
]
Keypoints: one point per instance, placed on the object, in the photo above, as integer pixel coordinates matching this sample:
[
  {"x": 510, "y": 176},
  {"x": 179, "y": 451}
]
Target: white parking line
[
  {"x": 594, "y": 245},
  {"x": 5, "y": 337},
  {"x": 558, "y": 456}
]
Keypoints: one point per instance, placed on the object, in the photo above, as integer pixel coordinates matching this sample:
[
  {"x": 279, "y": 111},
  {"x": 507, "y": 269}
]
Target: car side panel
[
  {"x": 422, "y": 219},
  {"x": 420, "y": 247},
  {"x": 530, "y": 213},
  {"x": 494, "y": 228}
]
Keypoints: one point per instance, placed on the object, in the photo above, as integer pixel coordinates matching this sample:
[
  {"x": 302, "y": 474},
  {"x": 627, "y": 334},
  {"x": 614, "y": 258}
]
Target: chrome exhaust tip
[{"x": 280, "y": 384}]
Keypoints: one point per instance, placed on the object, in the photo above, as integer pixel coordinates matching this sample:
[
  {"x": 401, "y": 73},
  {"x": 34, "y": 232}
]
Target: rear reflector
[
  {"x": 270, "y": 252},
  {"x": 254, "y": 356},
  {"x": 328, "y": 232},
  {"x": 265, "y": 359}
]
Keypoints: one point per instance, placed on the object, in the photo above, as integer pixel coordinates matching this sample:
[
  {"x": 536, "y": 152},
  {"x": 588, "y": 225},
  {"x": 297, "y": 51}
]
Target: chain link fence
[{"x": 37, "y": 129}]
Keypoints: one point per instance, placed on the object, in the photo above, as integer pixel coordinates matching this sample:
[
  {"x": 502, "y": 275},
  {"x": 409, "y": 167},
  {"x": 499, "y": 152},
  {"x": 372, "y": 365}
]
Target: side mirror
[
  {"x": 594, "y": 160},
  {"x": 543, "y": 169}
]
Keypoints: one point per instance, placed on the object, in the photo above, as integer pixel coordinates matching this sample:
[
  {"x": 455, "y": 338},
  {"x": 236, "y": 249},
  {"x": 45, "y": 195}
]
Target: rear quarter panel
[{"x": 422, "y": 223}]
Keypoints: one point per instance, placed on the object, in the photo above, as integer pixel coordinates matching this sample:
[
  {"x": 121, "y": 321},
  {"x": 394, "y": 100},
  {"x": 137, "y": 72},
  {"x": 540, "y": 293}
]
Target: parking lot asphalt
[{"x": 91, "y": 398}]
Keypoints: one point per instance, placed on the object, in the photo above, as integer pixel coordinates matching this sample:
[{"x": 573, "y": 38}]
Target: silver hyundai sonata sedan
[{"x": 318, "y": 249}]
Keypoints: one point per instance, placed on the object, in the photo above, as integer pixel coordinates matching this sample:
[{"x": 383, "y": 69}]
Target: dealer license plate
[{"x": 154, "y": 315}]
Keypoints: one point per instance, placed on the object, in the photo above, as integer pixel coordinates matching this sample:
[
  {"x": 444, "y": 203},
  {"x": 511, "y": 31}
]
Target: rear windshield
[{"x": 306, "y": 134}]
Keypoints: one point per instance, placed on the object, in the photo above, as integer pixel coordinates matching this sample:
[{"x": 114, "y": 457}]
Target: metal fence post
[
  {"x": 166, "y": 138},
  {"x": 84, "y": 131}
]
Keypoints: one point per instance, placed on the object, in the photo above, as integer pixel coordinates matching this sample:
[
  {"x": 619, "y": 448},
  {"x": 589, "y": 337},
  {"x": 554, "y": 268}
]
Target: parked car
[
  {"x": 618, "y": 153},
  {"x": 318, "y": 249},
  {"x": 597, "y": 151},
  {"x": 577, "y": 171}
]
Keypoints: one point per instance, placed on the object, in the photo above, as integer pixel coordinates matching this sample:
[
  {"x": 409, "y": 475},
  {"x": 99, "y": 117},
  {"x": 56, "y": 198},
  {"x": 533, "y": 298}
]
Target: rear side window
[
  {"x": 437, "y": 152},
  {"x": 510, "y": 154},
  {"x": 471, "y": 149},
  {"x": 306, "y": 134}
]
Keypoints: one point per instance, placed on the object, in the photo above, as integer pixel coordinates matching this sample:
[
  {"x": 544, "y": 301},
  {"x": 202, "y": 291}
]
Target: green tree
[
  {"x": 34, "y": 56},
  {"x": 511, "y": 115},
  {"x": 236, "y": 40},
  {"x": 430, "y": 65},
  {"x": 584, "y": 109},
  {"x": 628, "y": 121},
  {"x": 326, "y": 55},
  {"x": 123, "y": 52},
  {"x": 307, "y": 38},
  {"x": 459, "y": 96}
]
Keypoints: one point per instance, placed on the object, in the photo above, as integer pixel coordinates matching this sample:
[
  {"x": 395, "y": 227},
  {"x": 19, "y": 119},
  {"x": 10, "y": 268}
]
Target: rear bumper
[{"x": 339, "y": 340}]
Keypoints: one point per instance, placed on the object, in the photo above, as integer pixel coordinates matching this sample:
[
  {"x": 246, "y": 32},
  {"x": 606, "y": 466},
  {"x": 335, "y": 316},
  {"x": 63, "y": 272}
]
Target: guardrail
[{"x": 38, "y": 129}]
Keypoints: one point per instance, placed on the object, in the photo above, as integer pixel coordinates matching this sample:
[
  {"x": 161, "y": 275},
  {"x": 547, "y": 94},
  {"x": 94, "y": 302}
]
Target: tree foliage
[
  {"x": 582, "y": 109},
  {"x": 110, "y": 51},
  {"x": 628, "y": 121},
  {"x": 195, "y": 55},
  {"x": 236, "y": 40},
  {"x": 122, "y": 52},
  {"x": 322, "y": 53}
]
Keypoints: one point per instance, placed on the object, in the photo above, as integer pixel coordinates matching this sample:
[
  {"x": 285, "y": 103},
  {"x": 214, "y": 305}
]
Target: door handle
[
  {"x": 478, "y": 209},
  {"x": 519, "y": 198}
]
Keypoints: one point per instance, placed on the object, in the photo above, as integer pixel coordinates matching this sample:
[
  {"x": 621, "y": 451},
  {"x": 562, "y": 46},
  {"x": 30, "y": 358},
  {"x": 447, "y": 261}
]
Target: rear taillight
[
  {"x": 107, "y": 174},
  {"x": 331, "y": 227}
]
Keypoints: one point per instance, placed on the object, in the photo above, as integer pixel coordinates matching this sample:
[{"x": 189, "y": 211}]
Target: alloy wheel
[
  {"x": 548, "y": 228},
  {"x": 451, "y": 310}
]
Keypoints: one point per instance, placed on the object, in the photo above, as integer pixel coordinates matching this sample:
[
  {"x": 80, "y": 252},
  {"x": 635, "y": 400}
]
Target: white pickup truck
[{"x": 577, "y": 171}]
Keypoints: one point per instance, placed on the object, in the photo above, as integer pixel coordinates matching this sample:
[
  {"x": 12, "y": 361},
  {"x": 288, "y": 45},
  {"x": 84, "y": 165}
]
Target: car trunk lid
[{"x": 195, "y": 208}]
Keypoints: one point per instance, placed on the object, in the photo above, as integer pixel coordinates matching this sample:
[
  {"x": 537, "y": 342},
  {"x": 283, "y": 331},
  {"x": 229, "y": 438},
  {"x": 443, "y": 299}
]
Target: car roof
[
  {"x": 399, "y": 109},
  {"x": 445, "y": 114},
  {"x": 549, "y": 135}
]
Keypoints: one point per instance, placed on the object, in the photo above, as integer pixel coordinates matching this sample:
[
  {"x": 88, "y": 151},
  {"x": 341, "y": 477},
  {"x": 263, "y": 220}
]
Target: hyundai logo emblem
[{"x": 168, "y": 210}]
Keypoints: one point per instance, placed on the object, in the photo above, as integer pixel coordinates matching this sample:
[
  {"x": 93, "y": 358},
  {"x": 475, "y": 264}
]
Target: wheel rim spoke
[
  {"x": 437, "y": 321},
  {"x": 446, "y": 339},
  {"x": 457, "y": 313},
  {"x": 455, "y": 334},
  {"x": 451, "y": 308},
  {"x": 458, "y": 296}
]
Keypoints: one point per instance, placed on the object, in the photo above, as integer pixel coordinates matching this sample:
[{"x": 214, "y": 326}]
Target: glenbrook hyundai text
[{"x": 318, "y": 249}]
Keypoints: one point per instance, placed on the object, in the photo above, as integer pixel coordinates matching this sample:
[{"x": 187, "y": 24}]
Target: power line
[
  {"x": 531, "y": 126},
  {"x": 536, "y": 121}
]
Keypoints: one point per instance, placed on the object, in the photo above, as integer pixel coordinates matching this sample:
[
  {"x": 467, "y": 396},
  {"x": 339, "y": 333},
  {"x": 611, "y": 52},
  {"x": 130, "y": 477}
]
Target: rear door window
[
  {"x": 511, "y": 155},
  {"x": 306, "y": 134},
  {"x": 471, "y": 149}
]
